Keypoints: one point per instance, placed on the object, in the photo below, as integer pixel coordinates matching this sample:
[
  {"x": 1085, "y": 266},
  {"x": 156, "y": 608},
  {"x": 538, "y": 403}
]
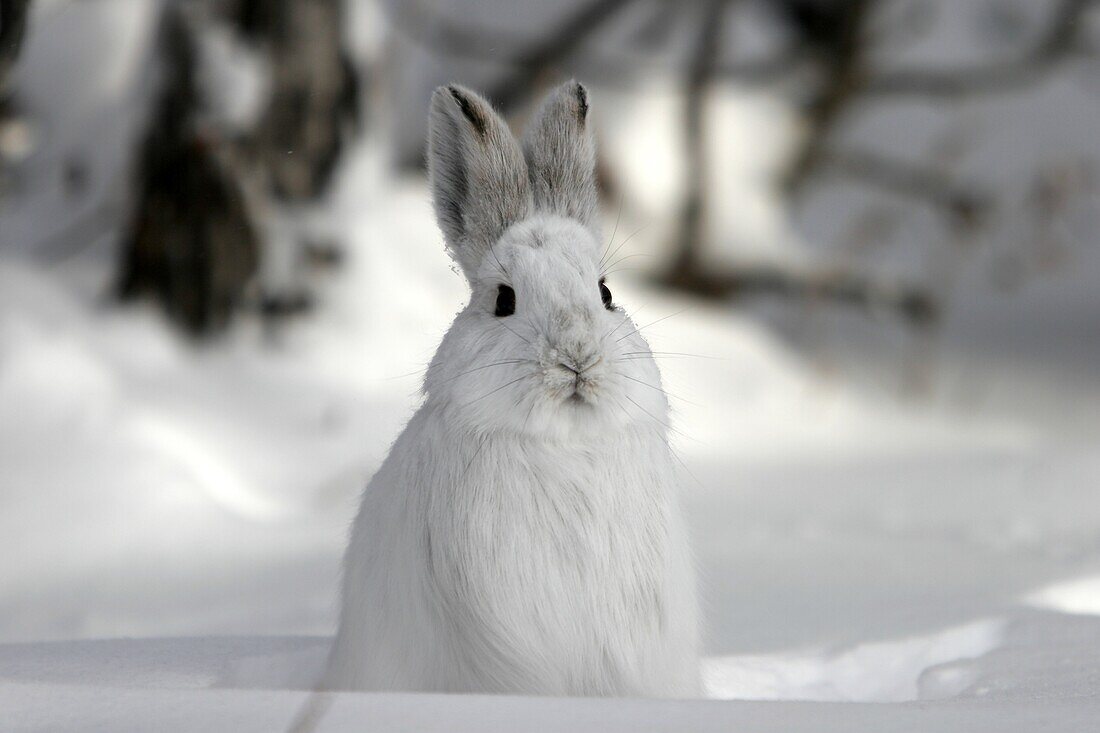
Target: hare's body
[
  {"x": 523, "y": 535},
  {"x": 516, "y": 572}
]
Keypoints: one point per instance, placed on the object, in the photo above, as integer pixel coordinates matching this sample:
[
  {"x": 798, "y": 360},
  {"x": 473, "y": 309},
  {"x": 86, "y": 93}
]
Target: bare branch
[
  {"x": 526, "y": 61},
  {"x": 558, "y": 44},
  {"x": 913, "y": 304},
  {"x": 963, "y": 206},
  {"x": 439, "y": 34},
  {"x": 1059, "y": 43},
  {"x": 763, "y": 70}
]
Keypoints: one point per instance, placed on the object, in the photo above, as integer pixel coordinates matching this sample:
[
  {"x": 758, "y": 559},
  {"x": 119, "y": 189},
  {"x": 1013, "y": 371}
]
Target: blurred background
[{"x": 862, "y": 234}]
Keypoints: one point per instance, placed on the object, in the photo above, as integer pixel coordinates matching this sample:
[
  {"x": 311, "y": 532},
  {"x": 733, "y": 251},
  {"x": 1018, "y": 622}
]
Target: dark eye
[
  {"x": 506, "y": 301},
  {"x": 605, "y": 296}
]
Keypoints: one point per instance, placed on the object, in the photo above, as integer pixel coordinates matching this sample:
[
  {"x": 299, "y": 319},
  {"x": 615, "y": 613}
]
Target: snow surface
[
  {"x": 173, "y": 514},
  {"x": 904, "y": 566}
]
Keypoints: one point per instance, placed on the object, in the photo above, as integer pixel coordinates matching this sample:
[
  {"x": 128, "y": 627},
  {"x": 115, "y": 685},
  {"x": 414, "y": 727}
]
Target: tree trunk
[
  {"x": 191, "y": 243},
  {"x": 314, "y": 92},
  {"x": 693, "y": 208},
  {"x": 13, "y": 27}
]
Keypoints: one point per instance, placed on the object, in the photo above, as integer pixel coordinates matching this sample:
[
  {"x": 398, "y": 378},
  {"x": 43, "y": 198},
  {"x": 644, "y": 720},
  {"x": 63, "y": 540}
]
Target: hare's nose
[
  {"x": 580, "y": 366},
  {"x": 573, "y": 343}
]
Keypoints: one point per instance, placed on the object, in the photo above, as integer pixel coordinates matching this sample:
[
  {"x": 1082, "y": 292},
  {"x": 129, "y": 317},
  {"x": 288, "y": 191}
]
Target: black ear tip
[
  {"x": 445, "y": 97},
  {"x": 470, "y": 109},
  {"x": 581, "y": 95},
  {"x": 460, "y": 98}
]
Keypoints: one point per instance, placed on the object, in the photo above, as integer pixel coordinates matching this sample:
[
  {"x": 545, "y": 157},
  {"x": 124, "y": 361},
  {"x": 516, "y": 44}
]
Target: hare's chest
[
  {"x": 577, "y": 511},
  {"x": 547, "y": 543}
]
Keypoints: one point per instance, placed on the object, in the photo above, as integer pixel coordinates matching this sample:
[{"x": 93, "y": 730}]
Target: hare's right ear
[
  {"x": 561, "y": 156},
  {"x": 478, "y": 175}
]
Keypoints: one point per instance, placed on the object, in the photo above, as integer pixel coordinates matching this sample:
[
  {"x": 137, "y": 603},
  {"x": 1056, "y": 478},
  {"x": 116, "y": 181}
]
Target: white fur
[{"x": 523, "y": 535}]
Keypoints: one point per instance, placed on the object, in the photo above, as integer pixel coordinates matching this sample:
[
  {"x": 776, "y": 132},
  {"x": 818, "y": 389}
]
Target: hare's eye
[
  {"x": 506, "y": 301},
  {"x": 605, "y": 296}
]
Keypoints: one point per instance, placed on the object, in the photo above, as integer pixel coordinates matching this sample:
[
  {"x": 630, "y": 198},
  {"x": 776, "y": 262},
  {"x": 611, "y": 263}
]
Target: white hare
[{"x": 523, "y": 535}]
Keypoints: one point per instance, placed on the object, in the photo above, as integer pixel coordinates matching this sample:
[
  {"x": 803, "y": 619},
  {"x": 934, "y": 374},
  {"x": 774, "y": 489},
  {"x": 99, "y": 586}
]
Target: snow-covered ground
[
  {"x": 191, "y": 502},
  {"x": 172, "y": 515}
]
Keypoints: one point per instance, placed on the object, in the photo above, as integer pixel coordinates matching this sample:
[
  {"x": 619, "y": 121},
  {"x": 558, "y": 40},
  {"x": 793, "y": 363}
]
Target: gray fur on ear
[
  {"x": 561, "y": 156},
  {"x": 478, "y": 175}
]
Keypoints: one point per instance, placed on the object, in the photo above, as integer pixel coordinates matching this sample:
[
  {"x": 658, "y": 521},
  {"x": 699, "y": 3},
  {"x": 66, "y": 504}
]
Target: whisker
[
  {"x": 494, "y": 391},
  {"x": 643, "y": 357},
  {"x": 624, "y": 259},
  {"x": 493, "y": 252},
  {"x": 671, "y": 353},
  {"x": 653, "y": 323},
  {"x": 614, "y": 230},
  {"x": 658, "y": 421},
  {"x": 473, "y": 457},
  {"x": 623, "y": 243},
  {"x": 647, "y": 384},
  {"x": 626, "y": 319},
  {"x": 609, "y": 273},
  {"x": 514, "y": 332},
  {"x": 675, "y": 454},
  {"x": 663, "y": 391},
  {"x": 486, "y": 366},
  {"x": 671, "y": 451},
  {"x": 625, "y": 411},
  {"x": 523, "y": 427},
  {"x": 422, "y": 370}
]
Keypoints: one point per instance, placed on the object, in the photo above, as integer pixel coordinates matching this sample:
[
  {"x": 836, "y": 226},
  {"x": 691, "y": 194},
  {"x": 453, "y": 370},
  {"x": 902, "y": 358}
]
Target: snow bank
[
  {"x": 178, "y": 685},
  {"x": 868, "y": 562},
  {"x": 869, "y": 554}
]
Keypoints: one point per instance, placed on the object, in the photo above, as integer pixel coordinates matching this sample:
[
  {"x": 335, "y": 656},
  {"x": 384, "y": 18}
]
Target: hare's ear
[
  {"x": 478, "y": 175},
  {"x": 561, "y": 156}
]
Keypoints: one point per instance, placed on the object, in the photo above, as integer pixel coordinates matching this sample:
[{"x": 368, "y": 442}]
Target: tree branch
[
  {"x": 558, "y": 44},
  {"x": 440, "y": 34},
  {"x": 1060, "y": 42},
  {"x": 929, "y": 185},
  {"x": 913, "y": 304},
  {"x": 526, "y": 61},
  {"x": 760, "y": 71}
]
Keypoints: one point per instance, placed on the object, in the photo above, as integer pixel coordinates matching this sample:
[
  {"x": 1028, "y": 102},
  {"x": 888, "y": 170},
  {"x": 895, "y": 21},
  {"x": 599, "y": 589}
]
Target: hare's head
[{"x": 542, "y": 346}]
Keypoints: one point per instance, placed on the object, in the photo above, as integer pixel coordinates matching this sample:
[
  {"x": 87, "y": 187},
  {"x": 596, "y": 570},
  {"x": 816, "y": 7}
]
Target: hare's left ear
[
  {"x": 561, "y": 156},
  {"x": 478, "y": 175}
]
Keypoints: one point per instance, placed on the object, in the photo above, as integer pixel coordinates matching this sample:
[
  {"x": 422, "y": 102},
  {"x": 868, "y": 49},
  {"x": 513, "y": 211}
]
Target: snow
[
  {"x": 178, "y": 684},
  {"x": 174, "y": 513},
  {"x": 872, "y": 672},
  {"x": 898, "y": 563}
]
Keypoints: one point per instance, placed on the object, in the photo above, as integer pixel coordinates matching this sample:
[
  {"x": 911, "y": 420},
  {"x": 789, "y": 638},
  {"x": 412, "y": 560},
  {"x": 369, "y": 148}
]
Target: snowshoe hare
[{"x": 523, "y": 535}]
